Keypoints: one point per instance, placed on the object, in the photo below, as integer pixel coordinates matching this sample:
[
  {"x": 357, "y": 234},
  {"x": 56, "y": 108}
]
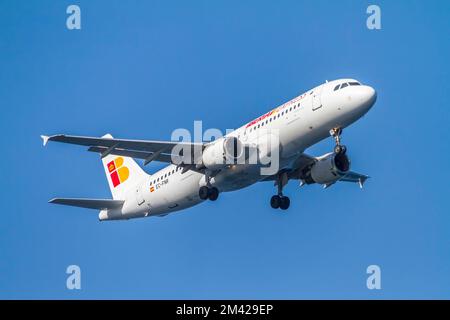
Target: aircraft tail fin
[{"x": 122, "y": 173}]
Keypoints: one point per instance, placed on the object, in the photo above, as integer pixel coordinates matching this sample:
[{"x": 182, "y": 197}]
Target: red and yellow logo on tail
[{"x": 117, "y": 171}]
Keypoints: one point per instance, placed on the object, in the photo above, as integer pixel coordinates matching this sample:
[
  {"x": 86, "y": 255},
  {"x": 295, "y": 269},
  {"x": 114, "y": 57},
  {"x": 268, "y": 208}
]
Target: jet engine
[
  {"x": 222, "y": 152},
  {"x": 328, "y": 169}
]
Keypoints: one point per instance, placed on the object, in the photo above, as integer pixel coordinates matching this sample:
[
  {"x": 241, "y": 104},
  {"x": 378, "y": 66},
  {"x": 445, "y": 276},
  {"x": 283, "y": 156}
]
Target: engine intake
[
  {"x": 222, "y": 152},
  {"x": 328, "y": 169}
]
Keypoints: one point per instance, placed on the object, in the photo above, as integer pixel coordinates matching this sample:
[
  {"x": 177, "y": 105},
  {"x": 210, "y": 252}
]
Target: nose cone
[{"x": 365, "y": 96}]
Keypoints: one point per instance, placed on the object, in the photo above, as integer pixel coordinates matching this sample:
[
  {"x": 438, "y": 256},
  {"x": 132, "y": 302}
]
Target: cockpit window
[{"x": 346, "y": 84}]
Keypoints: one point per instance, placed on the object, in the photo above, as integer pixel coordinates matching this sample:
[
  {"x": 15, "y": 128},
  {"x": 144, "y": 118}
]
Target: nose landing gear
[
  {"x": 336, "y": 134},
  {"x": 280, "y": 201}
]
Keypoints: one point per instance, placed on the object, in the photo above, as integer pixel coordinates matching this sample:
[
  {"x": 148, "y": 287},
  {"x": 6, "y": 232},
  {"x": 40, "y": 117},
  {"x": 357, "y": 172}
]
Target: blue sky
[{"x": 141, "y": 69}]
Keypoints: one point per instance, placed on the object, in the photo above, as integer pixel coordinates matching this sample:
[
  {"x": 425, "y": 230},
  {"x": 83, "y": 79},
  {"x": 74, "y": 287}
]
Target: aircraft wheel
[
  {"x": 285, "y": 203},
  {"x": 275, "y": 201},
  {"x": 213, "y": 193},
  {"x": 203, "y": 192}
]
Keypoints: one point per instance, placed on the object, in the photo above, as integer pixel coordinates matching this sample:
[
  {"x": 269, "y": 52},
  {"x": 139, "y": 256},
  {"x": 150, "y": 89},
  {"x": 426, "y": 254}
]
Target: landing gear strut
[
  {"x": 336, "y": 134},
  {"x": 208, "y": 192},
  {"x": 278, "y": 200}
]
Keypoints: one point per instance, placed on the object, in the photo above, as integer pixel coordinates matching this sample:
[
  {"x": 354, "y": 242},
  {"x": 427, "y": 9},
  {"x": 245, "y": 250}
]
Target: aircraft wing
[
  {"x": 355, "y": 177},
  {"x": 99, "y": 204},
  {"x": 305, "y": 160},
  {"x": 148, "y": 150}
]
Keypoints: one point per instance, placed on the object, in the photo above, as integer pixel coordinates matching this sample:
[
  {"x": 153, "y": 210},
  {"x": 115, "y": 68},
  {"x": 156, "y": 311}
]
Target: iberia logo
[{"x": 118, "y": 172}]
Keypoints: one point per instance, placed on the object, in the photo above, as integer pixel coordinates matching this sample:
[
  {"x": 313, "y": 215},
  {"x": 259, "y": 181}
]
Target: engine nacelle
[
  {"x": 328, "y": 169},
  {"x": 222, "y": 152}
]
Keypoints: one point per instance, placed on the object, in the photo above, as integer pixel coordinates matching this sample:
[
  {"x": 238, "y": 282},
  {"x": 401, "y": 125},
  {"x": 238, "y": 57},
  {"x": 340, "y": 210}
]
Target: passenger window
[
  {"x": 290, "y": 109},
  {"x": 344, "y": 85}
]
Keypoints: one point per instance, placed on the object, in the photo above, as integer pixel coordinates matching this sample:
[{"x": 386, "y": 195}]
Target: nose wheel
[
  {"x": 340, "y": 149},
  {"x": 336, "y": 134},
  {"x": 279, "y": 201}
]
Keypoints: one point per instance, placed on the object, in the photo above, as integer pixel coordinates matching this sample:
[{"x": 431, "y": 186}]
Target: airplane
[{"x": 216, "y": 166}]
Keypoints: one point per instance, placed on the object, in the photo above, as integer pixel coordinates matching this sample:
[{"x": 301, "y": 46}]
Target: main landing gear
[
  {"x": 211, "y": 193},
  {"x": 280, "y": 201},
  {"x": 336, "y": 134},
  {"x": 208, "y": 192}
]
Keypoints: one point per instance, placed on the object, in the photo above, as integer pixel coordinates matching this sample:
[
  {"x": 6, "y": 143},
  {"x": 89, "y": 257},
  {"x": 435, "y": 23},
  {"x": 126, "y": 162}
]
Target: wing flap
[
  {"x": 162, "y": 157},
  {"x": 99, "y": 204}
]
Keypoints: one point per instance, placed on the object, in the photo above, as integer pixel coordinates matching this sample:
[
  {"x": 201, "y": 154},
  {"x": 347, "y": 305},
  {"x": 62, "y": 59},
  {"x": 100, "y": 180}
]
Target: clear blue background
[{"x": 141, "y": 69}]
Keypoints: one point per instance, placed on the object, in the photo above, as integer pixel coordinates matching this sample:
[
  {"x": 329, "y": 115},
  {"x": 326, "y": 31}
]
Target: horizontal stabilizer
[{"x": 99, "y": 204}]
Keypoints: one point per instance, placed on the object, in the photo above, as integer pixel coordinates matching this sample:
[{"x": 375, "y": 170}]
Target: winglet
[
  {"x": 44, "y": 139},
  {"x": 361, "y": 181}
]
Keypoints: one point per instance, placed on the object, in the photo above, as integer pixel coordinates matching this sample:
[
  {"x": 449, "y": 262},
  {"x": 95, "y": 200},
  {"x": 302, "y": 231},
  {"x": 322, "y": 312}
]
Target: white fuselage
[{"x": 301, "y": 122}]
